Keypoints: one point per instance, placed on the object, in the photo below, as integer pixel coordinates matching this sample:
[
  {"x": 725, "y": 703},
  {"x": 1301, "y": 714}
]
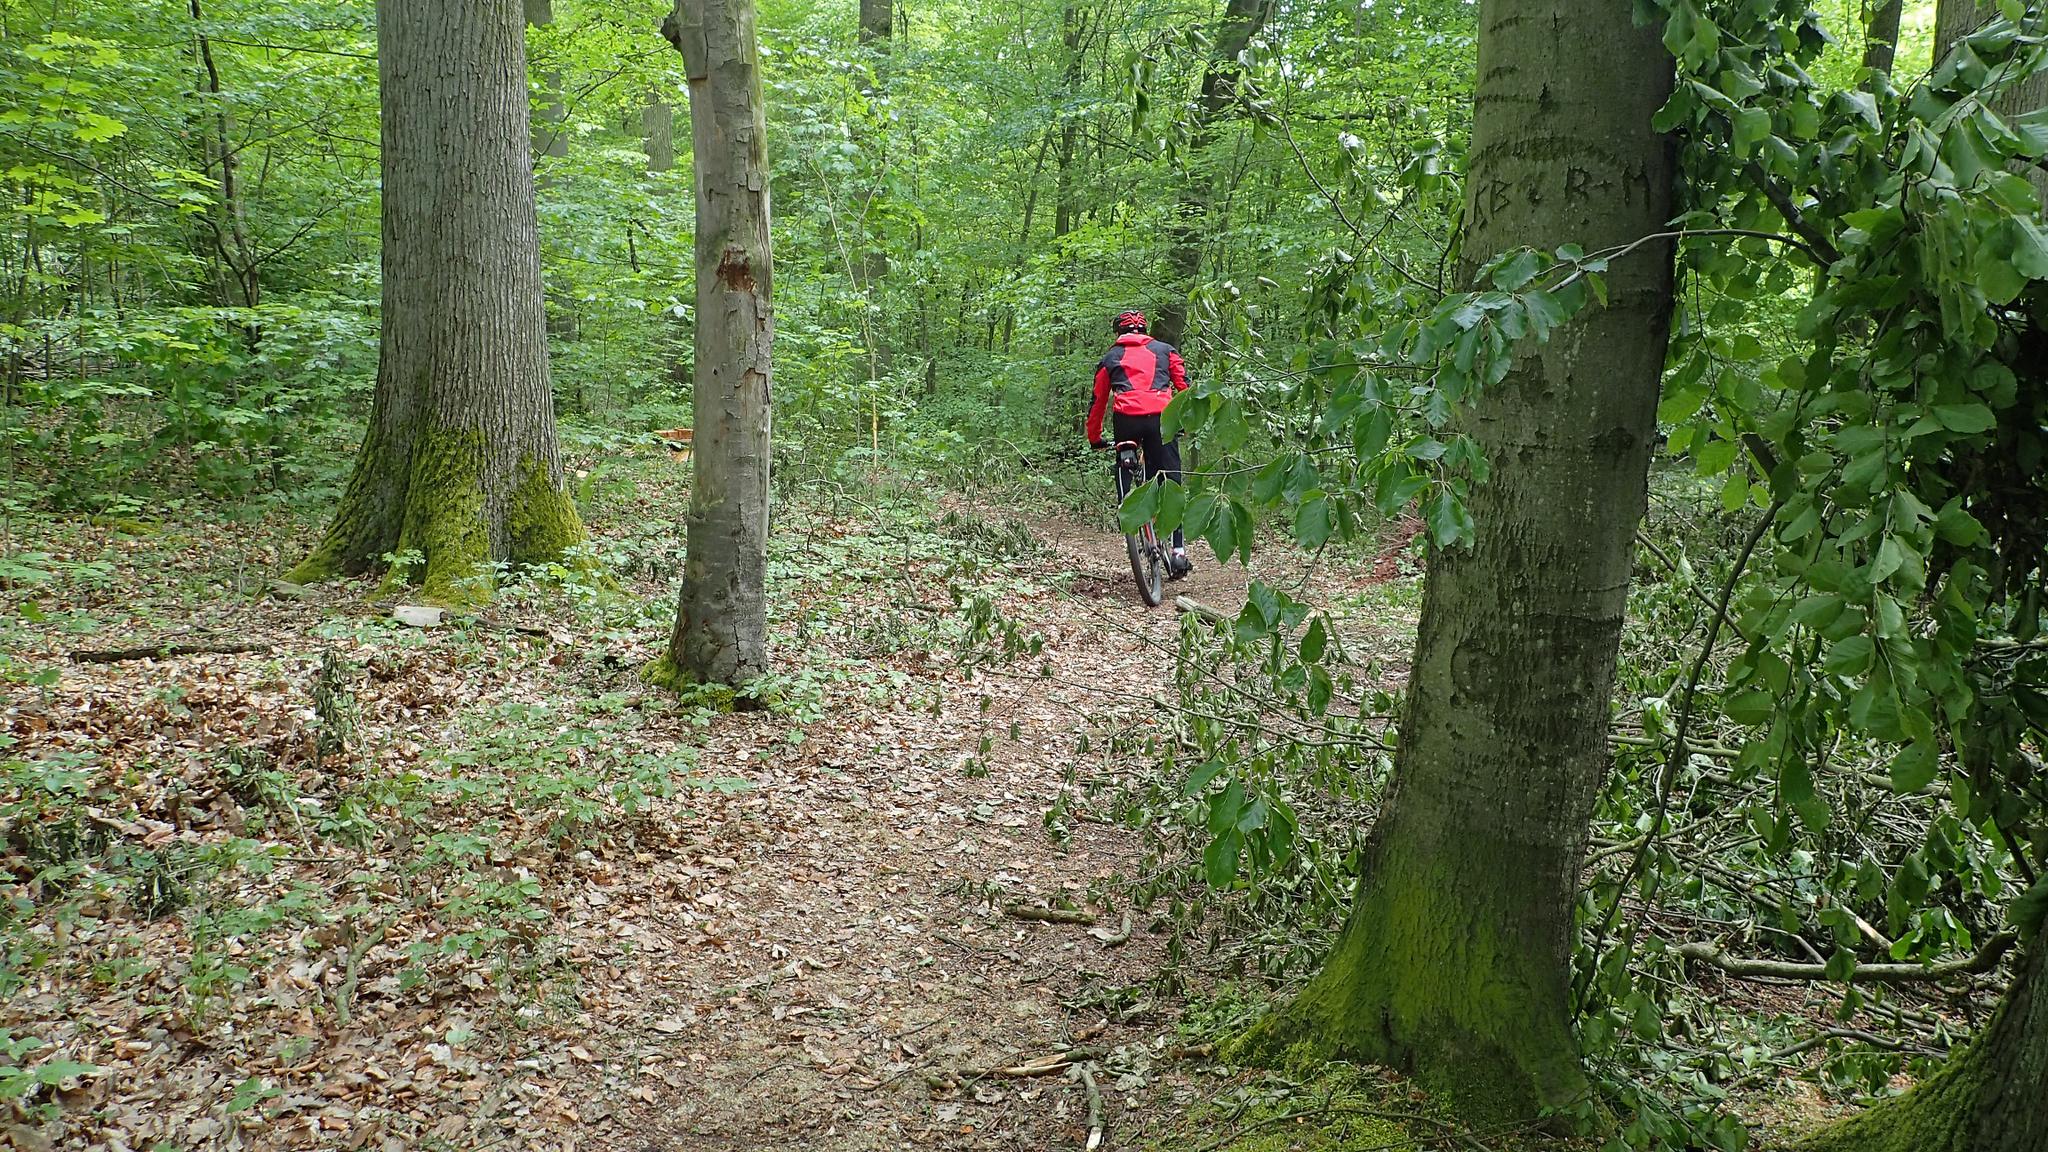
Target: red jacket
[{"x": 1142, "y": 373}]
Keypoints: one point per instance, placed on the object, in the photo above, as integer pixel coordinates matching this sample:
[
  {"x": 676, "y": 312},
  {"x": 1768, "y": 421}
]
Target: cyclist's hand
[{"x": 1099, "y": 445}]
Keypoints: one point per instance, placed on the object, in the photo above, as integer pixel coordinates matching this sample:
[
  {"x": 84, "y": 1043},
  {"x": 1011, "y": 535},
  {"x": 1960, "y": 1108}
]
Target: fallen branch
[
  {"x": 1048, "y": 915},
  {"x": 1193, "y": 607},
  {"x": 1112, "y": 939},
  {"x": 1053, "y": 1064},
  {"x": 164, "y": 651},
  {"x": 1986, "y": 959},
  {"x": 1094, "y": 1107}
]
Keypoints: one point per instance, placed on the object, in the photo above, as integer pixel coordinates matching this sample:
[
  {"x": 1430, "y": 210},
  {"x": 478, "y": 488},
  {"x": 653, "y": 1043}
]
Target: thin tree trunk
[
  {"x": 658, "y": 134},
  {"x": 459, "y": 466},
  {"x": 1455, "y": 961},
  {"x": 229, "y": 223},
  {"x": 721, "y": 620},
  {"x": 1242, "y": 20},
  {"x": 1881, "y": 39},
  {"x": 550, "y": 119}
]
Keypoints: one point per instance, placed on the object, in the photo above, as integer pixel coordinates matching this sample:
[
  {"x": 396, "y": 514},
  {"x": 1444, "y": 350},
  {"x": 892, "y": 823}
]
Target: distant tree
[
  {"x": 1455, "y": 961},
  {"x": 459, "y": 465},
  {"x": 721, "y": 620}
]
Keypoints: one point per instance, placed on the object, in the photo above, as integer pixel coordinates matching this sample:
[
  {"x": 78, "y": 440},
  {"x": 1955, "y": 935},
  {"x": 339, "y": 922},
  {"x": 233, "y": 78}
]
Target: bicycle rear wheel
[
  {"x": 1148, "y": 566},
  {"x": 1148, "y": 559}
]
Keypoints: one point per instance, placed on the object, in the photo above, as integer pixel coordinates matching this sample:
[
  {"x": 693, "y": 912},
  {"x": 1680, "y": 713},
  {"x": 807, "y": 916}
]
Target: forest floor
[
  {"x": 365, "y": 885},
  {"x": 332, "y": 880}
]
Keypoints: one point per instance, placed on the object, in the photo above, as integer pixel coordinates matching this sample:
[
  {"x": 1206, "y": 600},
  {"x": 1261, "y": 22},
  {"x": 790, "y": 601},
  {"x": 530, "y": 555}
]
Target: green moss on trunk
[
  {"x": 1418, "y": 982},
  {"x": 444, "y": 518},
  {"x": 540, "y": 518},
  {"x": 663, "y": 672}
]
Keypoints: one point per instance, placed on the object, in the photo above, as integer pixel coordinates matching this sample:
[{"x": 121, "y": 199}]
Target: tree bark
[
  {"x": 459, "y": 464},
  {"x": 721, "y": 620},
  {"x": 550, "y": 118},
  {"x": 1242, "y": 20},
  {"x": 1881, "y": 38},
  {"x": 658, "y": 134},
  {"x": 877, "y": 21},
  {"x": 1455, "y": 961}
]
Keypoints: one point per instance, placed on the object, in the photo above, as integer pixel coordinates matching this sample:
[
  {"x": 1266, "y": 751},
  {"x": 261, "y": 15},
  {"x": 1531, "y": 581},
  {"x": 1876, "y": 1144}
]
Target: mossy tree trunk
[
  {"x": 459, "y": 464},
  {"x": 1991, "y": 1097},
  {"x": 721, "y": 619},
  {"x": 1455, "y": 961},
  {"x": 1242, "y": 20}
]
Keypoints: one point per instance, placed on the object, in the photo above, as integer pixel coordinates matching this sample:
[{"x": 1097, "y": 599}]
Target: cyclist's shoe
[{"x": 1178, "y": 564}]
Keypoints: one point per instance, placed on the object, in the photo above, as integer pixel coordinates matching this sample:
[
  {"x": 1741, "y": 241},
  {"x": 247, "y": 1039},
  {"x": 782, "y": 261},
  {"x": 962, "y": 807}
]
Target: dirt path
[{"x": 854, "y": 944}]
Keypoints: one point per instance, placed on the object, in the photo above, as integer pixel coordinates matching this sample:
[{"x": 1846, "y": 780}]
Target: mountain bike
[{"x": 1149, "y": 561}]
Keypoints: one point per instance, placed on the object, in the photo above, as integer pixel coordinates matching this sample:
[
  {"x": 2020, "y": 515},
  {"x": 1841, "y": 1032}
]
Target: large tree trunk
[
  {"x": 1455, "y": 961},
  {"x": 1988, "y": 1098},
  {"x": 459, "y": 464},
  {"x": 1242, "y": 20},
  {"x": 721, "y": 620}
]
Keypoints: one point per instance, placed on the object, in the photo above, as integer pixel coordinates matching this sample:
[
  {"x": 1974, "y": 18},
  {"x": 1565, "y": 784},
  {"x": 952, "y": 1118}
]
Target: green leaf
[
  {"x": 1751, "y": 707},
  {"x": 1199, "y": 779},
  {"x": 1914, "y": 767},
  {"x": 1518, "y": 270},
  {"x": 1173, "y": 503},
  {"x": 1314, "y": 642},
  {"x": 1139, "y": 508},
  {"x": 1312, "y": 521},
  {"x": 1751, "y": 126},
  {"x": 1850, "y": 656},
  {"x": 1967, "y": 418},
  {"x": 1219, "y": 859}
]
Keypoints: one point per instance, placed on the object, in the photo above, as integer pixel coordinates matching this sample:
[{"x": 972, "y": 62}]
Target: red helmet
[{"x": 1132, "y": 321}]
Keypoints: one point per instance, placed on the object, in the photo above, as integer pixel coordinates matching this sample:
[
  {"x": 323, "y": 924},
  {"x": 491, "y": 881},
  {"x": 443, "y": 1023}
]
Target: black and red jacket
[{"x": 1142, "y": 373}]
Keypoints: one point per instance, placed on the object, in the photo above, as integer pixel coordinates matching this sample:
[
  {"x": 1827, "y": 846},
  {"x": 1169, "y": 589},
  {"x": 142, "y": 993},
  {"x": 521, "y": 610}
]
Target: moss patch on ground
[{"x": 1341, "y": 1108}]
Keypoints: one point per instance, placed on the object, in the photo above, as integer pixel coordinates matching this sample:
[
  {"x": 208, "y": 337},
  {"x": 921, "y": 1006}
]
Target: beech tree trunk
[
  {"x": 1455, "y": 961},
  {"x": 1242, "y": 20},
  {"x": 721, "y": 621},
  {"x": 459, "y": 465},
  {"x": 1881, "y": 38},
  {"x": 877, "y": 20}
]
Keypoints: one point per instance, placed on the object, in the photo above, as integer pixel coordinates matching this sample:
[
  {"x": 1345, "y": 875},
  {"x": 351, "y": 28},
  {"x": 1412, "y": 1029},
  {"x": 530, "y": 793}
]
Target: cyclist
[{"x": 1142, "y": 374}]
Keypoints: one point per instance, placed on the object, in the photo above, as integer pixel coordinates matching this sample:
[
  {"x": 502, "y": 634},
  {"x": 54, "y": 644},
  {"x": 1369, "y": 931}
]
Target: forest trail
[
  {"x": 855, "y": 945},
  {"x": 451, "y": 935}
]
